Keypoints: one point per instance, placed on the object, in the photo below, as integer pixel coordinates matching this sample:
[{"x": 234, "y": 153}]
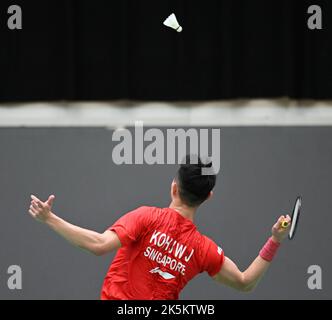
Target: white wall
[{"x": 281, "y": 112}]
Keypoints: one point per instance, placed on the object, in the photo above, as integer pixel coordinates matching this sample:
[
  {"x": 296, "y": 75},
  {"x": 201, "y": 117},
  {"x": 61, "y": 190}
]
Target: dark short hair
[{"x": 194, "y": 188}]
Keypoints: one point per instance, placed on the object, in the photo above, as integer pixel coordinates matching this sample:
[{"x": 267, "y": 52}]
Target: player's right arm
[
  {"x": 247, "y": 280},
  {"x": 94, "y": 242}
]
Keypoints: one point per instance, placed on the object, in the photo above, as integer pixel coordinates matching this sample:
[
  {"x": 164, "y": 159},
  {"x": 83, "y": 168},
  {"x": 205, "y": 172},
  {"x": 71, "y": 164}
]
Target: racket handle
[{"x": 284, "y": 224}]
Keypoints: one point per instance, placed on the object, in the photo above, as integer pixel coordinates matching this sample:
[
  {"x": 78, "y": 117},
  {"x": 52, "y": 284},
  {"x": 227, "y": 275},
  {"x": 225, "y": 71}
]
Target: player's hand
[
  {"x": 278, "y": 232},
  {"x": 39, "y": 210}
]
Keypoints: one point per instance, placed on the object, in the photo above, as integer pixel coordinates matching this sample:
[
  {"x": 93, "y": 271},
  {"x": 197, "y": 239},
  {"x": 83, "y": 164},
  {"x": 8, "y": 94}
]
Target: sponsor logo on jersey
[{"x": 165, "y": 275}]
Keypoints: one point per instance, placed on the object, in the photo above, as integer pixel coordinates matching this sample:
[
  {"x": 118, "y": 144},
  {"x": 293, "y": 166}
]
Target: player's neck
[{"x": 183, "y": 210}]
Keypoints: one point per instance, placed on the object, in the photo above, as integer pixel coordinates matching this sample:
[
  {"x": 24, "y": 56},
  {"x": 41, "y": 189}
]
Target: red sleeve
[
  {"x": 132, "y": 225},
  {"x": 214, "y": 257}
]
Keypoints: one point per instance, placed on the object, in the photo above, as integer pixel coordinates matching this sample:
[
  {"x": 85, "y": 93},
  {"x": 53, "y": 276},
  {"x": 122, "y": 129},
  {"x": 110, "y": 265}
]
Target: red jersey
[{"x": 161, "y": 251}]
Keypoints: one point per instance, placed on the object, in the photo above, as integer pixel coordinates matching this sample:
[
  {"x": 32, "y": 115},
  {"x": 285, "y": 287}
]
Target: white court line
[{"x": 123, "y": 113}]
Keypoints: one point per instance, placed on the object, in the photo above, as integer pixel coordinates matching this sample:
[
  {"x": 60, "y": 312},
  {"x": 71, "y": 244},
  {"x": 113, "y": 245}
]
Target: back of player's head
[{"x": 194, "y": 187}]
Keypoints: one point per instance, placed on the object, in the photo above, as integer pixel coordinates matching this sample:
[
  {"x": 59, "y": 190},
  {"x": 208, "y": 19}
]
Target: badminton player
[{"x": 159, "y": 250}]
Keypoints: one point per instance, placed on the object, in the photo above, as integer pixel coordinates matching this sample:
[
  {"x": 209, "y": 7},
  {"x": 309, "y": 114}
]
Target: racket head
[{"x": 295, "y": 217}]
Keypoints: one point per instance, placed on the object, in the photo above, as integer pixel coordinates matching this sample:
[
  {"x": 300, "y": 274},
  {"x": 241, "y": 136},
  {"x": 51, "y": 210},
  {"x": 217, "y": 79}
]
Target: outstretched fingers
[
  {"x": 50, "y": 200},
  {"x": 37, "y": 201}
]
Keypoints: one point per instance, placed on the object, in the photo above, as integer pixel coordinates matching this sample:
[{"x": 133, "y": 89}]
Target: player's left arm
[
  {"x": 89, "y": 240},
  {"x": 247, "y": 280}
]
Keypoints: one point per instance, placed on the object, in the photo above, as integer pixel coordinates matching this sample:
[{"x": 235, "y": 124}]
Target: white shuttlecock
[{"x": 173, "y": 23}]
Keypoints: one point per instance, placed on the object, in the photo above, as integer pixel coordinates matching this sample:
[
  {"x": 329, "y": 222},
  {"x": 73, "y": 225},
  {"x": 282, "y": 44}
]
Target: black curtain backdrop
[{"x": 107, "y": 49}]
